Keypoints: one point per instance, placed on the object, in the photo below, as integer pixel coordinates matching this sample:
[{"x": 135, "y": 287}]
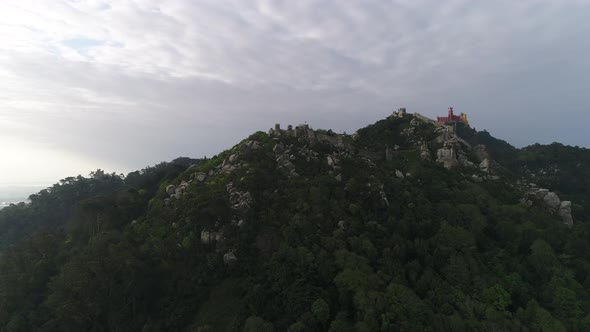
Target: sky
[{"x": 121, "y": 85}]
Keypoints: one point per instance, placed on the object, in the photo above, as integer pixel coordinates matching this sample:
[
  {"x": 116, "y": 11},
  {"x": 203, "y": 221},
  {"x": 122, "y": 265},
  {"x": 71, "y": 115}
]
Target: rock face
[
  {"x": 447, "y": 157},
  {"x": 565, "y": 212},
  {"x": 485, "y": 166}
]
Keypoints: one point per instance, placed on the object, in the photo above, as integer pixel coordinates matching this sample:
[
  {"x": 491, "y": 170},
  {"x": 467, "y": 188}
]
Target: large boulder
[
  {"x": 171, "y": 189},
  {"x": 200, "y": 177},
  {"x": 330, "y": 160},
  {"x": 485, "y": 166},
  {"x": 179, "y": 190},
  {"x": 552, "y": 200},
  {"x": 540, "y": 193},
  {"x": 229, "y": 258},
  {"x": 565, "y": 212}
]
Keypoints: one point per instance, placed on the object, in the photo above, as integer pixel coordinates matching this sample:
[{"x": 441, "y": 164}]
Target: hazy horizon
[
  {"x": 121, "y": 85},
  {"x": 10, "y": 194}
]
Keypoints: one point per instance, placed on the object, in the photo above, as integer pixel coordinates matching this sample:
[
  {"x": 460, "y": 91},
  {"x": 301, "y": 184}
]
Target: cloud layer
[{"x": 123, "y": 84}]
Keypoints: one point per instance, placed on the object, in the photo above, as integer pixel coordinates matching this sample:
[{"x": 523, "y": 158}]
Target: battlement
[{"x": 302, "y": 130}]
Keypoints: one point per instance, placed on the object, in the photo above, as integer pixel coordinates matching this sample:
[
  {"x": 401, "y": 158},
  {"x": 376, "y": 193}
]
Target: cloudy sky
[{"x": 120, "y": 84}]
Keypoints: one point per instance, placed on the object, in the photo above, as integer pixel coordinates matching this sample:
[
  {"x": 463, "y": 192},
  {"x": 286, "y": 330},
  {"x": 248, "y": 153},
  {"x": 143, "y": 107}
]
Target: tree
[
  {"x": 257, "y": 324},
  {"x": 321, "y": 311},
  {"x": 497, "y": 297}
]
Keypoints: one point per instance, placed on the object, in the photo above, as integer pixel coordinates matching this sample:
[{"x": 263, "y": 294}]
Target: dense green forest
[{"x": 309, "y": 231}]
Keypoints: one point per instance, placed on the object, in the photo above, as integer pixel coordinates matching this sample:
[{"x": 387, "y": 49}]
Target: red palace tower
[{"x": 452, "y": 117}]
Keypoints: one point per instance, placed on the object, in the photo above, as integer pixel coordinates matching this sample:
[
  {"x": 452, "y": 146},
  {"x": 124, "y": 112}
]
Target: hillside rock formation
[
  {"x": 551, "y": 200},
  {"x": 407, "y": 224}
]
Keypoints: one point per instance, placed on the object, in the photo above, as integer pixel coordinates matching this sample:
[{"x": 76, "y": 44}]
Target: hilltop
[{"x": 406, "y": 225}]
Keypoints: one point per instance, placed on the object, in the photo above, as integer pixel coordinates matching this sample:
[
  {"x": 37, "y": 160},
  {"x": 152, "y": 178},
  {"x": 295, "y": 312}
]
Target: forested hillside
[{"x": 403, "y": 226}]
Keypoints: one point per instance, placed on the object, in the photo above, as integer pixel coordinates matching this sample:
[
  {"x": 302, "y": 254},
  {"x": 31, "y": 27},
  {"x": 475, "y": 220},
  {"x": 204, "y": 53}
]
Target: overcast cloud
[{"x": 125, "y": 84}]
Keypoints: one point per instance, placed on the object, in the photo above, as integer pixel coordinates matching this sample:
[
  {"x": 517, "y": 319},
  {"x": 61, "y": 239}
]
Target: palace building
[{"x": 452, "y": 117}]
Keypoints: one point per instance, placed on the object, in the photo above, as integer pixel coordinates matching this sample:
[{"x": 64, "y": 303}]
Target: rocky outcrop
[
  {"x": 239, "y": 200},
  {"x": 551, "y": 201},
  {"x": 331, "y": 161},
  {"x": 447, "y": 157},
  {"x": 286, "y": 165},
  {"x": 283, "y": 158},
  {"x": 176, "y": 192},
  {"x": 334, "y": 165},
  {"x": 249, "y": 146},
  {"x": 228, "y": 165}
]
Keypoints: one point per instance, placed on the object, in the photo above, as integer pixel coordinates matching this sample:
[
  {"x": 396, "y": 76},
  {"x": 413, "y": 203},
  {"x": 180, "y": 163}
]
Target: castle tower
[{"x": 464, "y": 118}]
